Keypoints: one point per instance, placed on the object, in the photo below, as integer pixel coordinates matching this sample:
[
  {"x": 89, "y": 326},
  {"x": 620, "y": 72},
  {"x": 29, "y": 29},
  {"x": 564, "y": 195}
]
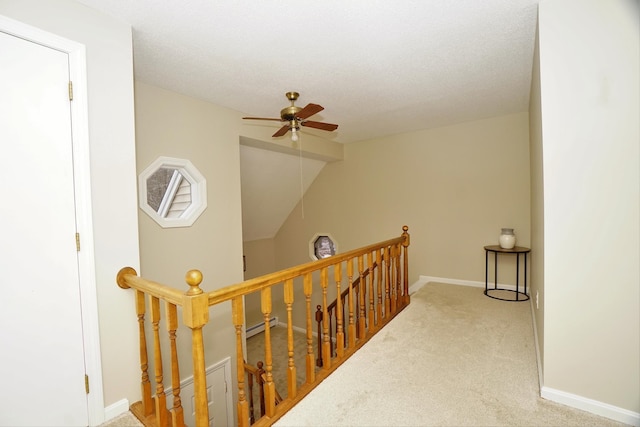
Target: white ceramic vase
[{"x": 507, "y": 238}]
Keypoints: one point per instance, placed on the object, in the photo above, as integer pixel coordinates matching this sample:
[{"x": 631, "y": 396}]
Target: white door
[{"x": 41, "y": 358}]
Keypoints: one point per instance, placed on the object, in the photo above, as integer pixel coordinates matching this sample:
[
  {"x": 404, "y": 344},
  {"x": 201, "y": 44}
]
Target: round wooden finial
[
  {"x": 405, "y": 234},
  {"x": 193, "y": 279}
]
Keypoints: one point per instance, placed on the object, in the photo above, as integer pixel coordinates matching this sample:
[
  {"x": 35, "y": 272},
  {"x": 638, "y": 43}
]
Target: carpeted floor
[
  {"x": 454, "y": 357},
  {"x": 123, "y": 420}
]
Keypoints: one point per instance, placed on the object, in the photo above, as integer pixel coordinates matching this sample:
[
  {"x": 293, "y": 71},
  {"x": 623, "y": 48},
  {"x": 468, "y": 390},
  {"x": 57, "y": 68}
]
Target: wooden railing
[{"x": 379, "y": 272}]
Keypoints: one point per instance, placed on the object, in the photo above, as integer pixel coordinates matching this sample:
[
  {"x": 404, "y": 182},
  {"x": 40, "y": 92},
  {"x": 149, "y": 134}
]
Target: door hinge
[
  {"x": 86, "y": 383},
  {"x": 78, "y": 242},
  {"x": 70, "y": 91}
]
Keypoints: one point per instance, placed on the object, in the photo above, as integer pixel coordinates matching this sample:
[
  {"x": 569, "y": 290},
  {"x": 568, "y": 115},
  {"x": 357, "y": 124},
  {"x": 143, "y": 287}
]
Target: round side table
[{"x": 496, "y": 249}]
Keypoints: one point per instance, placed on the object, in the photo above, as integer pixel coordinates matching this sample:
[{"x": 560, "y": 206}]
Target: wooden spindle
[
  {"x": 310, "y": 369},
  {"x": 326, "y": 340},
  {"x": 319, "y": 334},
  {"x": 260, "y": 375},
  {"x": 352, "y": 323},
  {"x": 237, "y": 314},
  {"x": 252, "y": 417},
  {"x": 397, "y": 277},
  {"x": 269, "y": 386},
  {"x": 362, "y": 320},
  {"x": 372, "y": 312},
  {"x": 387, "y": 281},
  {"x": 291, "y": 366},
  {"x": 160, "y": 399},
  {"x": 393, "y": 285},
  {"x": 145, "y": 384},
  {"x": 379, "y": 277},
  {"x": 177, "y": 413},
  {"x": 337, "y": 274}
]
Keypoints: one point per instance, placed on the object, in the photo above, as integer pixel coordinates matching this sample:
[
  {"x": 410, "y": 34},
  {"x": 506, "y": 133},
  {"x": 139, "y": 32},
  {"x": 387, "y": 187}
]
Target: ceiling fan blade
[
  {"x": 281, "y": 131},
  {"x": 319, "y": 125},
  {"x": 309, "y": 111},
  {"x": 261, "y": 118}
]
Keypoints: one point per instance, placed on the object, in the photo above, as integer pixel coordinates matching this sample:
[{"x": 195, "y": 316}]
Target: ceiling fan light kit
[{"x": 294, "y": 117}]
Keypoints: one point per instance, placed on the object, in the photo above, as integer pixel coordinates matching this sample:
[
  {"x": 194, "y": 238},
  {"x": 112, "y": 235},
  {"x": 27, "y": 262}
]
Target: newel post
[
  {"x": 195, "y": 314},
  {"x": 405, "y": 260}
]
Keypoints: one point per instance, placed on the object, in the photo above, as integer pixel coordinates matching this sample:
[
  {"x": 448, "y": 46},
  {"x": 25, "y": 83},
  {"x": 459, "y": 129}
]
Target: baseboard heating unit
[{"x": 259, "y": 327}]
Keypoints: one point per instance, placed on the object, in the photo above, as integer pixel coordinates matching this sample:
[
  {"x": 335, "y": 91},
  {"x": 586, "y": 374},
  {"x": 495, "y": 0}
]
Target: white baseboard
[
  {"x": 592, "y": 406},
  {"x": 118, "y": 408},
  {"x": 473, "y": 283},
  {"x": 564, "y": 398}
]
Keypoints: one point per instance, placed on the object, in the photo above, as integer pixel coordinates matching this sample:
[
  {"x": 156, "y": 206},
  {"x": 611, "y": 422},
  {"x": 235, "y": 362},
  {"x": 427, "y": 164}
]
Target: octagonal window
[
  {"x": 322, "y": 246},
  {"x": 172, "y": 192}
]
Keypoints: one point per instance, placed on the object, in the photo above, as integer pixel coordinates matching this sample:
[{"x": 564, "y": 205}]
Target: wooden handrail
[{"x": 374, "y": 290}]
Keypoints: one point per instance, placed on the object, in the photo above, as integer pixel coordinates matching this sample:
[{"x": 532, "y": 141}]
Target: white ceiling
[{"x": 378, "y": 67}]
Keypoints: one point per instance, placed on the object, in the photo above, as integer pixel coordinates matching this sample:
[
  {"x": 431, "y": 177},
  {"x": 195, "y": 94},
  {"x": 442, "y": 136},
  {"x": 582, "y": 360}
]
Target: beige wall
[
  {"x": 590, "y": 97},
  {"x": 260, "y": 260},
  {"x": 169, "y": 124},
  {"x": 113, "y": 175},
  {"x": 455, "y": 187}
]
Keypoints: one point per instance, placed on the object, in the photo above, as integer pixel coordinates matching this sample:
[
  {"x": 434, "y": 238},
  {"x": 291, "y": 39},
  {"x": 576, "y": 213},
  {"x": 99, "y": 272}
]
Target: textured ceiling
[{"x": 378, "y": 67}]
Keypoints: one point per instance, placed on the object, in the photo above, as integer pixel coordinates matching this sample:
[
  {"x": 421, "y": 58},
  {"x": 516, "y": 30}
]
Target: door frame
[{"x": 82, "y": 191}]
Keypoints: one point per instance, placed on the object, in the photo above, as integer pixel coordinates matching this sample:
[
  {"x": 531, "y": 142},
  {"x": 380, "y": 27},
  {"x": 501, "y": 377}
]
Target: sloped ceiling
[{"x": 379, "y": 67}]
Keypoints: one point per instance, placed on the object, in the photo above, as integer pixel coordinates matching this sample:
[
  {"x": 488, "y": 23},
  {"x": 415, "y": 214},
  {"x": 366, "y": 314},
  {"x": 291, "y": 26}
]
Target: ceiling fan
[{"x": 295, "y": 117}]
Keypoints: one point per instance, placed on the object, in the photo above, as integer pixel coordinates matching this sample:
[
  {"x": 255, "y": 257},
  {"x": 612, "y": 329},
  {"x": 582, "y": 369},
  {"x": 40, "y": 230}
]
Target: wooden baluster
[
  {"x": 319, "y": 324},
  {"x": 237, "y": 314},
  {"x": 394, "y": 279},
  {"x": 331, "y": 335},
  {"x": 405, "y": 260},
  {"x": 291, "y": 366},
  {"x": 177, "y": 415},
  {"x": 362, "y": 318},
  {"x": 326, "y": 340},
  {"x": 399, "y": 294},
  {"x": 249, "y": 392},
  {"x": 344, "y": 303},
  {"x": 372, "y": 312},
  {"x": 260, "y": 377},
  {"x": 387, "y": 281},
  {"x": 270, "y": 388},
  {"x": 380, "y": 274},
  {"x": 161, "y": 400},
  {"x": 145, "y": 384},
  {"x": 352, "y": 322},
  {"x": 310, "y": 369},
  {"x": 337, "y": 274},
  {"x": 195, "y": 314}
]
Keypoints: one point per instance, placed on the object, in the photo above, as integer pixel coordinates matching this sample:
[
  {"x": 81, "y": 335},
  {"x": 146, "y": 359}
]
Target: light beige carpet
[
  {"x": 123, "y": 420},
  {"x": 454, "y": 357}
]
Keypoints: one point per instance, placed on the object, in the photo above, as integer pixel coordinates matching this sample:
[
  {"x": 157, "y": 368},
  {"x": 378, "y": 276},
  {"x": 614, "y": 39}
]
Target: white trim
[
  {"x": 198, "y": 192},
  {"x": 592, "y": 406},
  {"x": 564, "y": 398},
  {"x": 84, "y": 215},
  {"x": 473, "y": 283},
  {"x": 116, "y": 409},
  {"x": 536, "y": 344}
]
